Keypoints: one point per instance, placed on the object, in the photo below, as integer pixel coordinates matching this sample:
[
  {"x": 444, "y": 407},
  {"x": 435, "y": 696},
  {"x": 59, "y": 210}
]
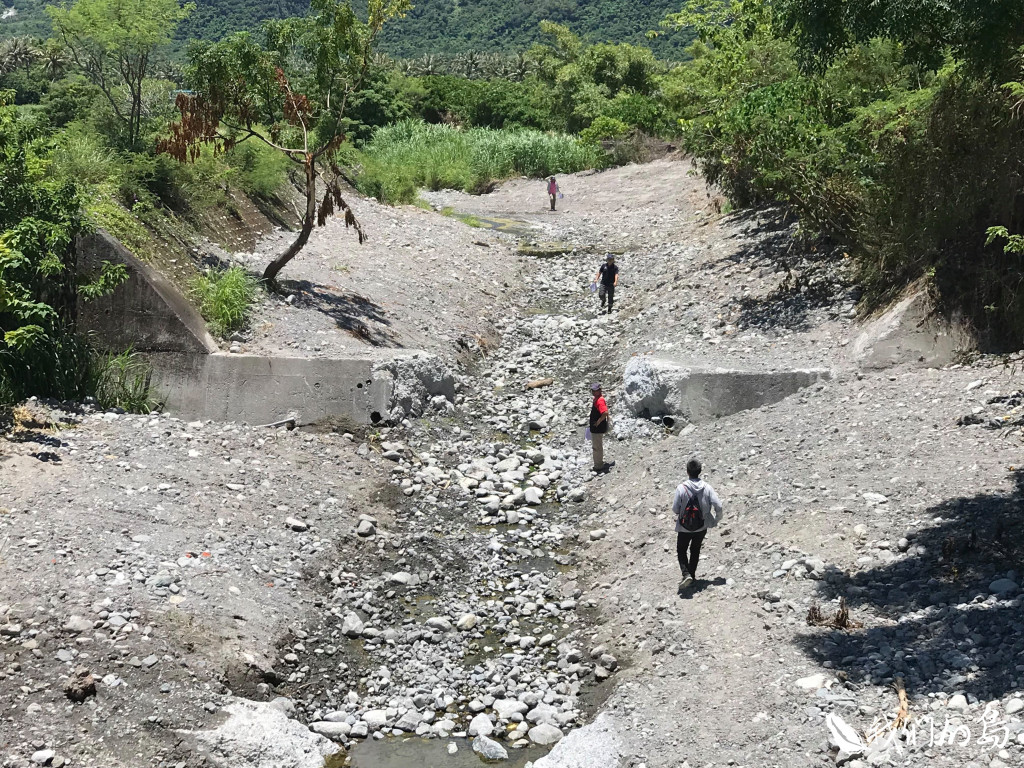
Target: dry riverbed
[{"x": 187, "y": 594}]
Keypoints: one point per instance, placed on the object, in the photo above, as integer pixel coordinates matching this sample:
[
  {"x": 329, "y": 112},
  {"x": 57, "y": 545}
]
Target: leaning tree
[{"x": 289, "y": 89}]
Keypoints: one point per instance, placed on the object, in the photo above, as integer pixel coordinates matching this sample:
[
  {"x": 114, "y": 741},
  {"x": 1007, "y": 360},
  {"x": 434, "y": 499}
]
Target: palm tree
[
  {"x": 55, "y": 61},
  {"x": 522, "y": 67},
  {"x": 428, "y": 65},
  {"x": 382, "y": 60},
  {"x": 20, "y": 52},
  {"x": 470, "y": 64}
]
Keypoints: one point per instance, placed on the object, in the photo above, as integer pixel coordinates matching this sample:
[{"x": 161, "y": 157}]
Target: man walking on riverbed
[
  {"x": 608, "y": 274},
  {"x": 599, "y": 423},
  {"x": 696, "y": 507}
]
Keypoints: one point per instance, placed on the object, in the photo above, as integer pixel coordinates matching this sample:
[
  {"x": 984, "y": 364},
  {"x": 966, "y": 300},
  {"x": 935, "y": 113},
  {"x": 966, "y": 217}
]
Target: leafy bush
[
  {"x": 225, "y": 298},
  {"x": 908, "y": 166},
  {"x": 412, "y": 154},
  {"x": 259, "y": 169}
]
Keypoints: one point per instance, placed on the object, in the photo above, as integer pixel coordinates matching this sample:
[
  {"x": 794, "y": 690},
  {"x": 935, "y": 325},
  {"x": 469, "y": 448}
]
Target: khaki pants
[{"x": 597, "y": 440}]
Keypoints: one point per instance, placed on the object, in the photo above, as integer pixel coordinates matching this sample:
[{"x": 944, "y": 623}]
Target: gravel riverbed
[{"x": 187, "y": 594}]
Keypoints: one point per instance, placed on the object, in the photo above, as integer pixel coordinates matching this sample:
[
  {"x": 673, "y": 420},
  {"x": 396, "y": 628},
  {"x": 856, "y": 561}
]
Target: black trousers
[
  {"x": 607, "y": 292},
  {"x": 691, "y": 541}
]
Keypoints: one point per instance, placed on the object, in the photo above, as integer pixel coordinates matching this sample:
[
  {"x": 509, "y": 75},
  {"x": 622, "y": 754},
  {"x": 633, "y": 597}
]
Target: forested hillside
[
  {"x": 458, "y": 26},
  {"x": 212, "y": 19},
  {"x": 431, "y": 27}
]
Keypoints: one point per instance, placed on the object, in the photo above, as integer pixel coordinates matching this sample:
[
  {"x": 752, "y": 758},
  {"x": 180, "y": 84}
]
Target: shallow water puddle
[{"x": 428, "y": 753}]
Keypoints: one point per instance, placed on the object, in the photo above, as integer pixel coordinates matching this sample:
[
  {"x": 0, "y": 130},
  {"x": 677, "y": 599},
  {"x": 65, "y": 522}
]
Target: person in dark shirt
[
  {"x": 599, "y": 423},
  {"x": 608, "y": 275}
]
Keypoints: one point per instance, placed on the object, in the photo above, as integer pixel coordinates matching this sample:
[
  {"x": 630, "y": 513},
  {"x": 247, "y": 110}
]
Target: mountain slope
[
  {"x": 457, "y": 26},
  {"x": 431, "y": 27}
]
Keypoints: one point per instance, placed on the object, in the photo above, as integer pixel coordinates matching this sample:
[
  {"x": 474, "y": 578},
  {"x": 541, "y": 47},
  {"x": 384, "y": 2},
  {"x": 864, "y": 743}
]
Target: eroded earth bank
[{"x": 187, "y": 594}]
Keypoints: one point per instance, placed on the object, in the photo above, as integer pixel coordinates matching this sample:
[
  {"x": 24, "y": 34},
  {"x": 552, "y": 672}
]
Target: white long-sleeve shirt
[{"x": 708, "y": 501}]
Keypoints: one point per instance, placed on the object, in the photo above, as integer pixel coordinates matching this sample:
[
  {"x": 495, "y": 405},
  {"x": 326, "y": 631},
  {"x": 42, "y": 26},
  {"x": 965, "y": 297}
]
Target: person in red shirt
[{"x": 600, "y": 420}]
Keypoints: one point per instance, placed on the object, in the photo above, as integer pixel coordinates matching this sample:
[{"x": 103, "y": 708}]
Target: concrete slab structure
[
  {"x": 196, "y": 381},
  {"x": 262, "y": 390},
  {"x": 658, "y": 387}
]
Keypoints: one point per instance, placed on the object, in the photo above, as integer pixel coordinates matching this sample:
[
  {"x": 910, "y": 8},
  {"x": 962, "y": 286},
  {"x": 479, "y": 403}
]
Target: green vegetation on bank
[
  {"x": 225, "y": 298},
  {"x": 41, "y": 352},
  {"x": 893, "y": 133},
  {"x": 412, "y": 154}
]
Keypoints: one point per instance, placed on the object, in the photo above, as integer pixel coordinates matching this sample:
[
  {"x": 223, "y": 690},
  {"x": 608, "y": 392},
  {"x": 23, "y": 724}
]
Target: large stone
[
  {"x": 335, "y": 731},
  {"x": 658, "y": 387},
  {"x": 258, "y": 735},
  {"x": 544, "y": 734},
  {"x": 375, "y": 719},
  {"x": 505, "y": 708},
  {"x": 596, "y": 745},
  {"x": 480, "y": 725},
  {"x": 352, "y": 625},
  {"x": 811, "y": 683},
  {"x": 488, "y": 749},
  {"x": 1003, "y": 587},
  {"x": 77, "y": 624},
  {"x": 467, "y": 621},
  {"x": 409, "y": 721},
  {"x": 542, "y": 713}
]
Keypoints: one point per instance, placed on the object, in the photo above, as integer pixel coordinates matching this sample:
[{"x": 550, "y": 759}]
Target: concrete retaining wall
[
  {"x": 261, "y": 390},
  {"x": 146, "y": 313},
  {"x": 658, "y": 387}
]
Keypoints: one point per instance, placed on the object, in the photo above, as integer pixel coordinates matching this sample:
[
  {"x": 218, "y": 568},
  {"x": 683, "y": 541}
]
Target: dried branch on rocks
[
  {"x": 539, "y": 383},
  {"x": 841, "y": 619}
]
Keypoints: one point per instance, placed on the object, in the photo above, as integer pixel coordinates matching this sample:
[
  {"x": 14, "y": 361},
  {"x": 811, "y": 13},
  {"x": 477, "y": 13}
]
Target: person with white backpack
[{"x": 696, "y": 507}]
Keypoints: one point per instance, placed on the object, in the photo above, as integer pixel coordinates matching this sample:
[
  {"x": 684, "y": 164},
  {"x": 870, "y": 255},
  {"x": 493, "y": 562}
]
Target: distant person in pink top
[{"x": 552, "y": 191}]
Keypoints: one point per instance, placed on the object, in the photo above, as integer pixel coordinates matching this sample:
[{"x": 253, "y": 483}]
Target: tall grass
[
  {"x": 69, "y": 367},
  {"x": 411, "y": 154},
  {"x": 123, "y": 381},
  {"x": 225, "y": 298}
]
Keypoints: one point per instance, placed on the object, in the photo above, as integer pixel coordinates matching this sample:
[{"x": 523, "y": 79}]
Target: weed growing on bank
[
  {"x": 410, "y": 154},
  {"x": 225, "y": 298}
]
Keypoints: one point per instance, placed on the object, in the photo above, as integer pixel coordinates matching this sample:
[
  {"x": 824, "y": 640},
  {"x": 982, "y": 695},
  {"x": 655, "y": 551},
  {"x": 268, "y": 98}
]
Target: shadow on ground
[
  {"x": 943, "y": 630},
  {"x": 810, "y": 272},
  {"x": 699, "y": 586},
  {"x": 353, "y": 313}
]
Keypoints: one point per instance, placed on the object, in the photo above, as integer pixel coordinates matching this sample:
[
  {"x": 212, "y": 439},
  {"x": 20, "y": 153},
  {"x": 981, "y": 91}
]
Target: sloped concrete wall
[
  {"x": 146, "y": 313},
  {"x": 659, "y": 387},
  {"x": 910, "y": 333}
]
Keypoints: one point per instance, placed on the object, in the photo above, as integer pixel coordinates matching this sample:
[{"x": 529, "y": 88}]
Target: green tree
[
  {"x": 114, "y": 42},
  {"x": 982, "y": 33},
  {"x": 584, "y": 78},
  {"x": 293, "y": 90},
  {"x": 39, "y": 219}
]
